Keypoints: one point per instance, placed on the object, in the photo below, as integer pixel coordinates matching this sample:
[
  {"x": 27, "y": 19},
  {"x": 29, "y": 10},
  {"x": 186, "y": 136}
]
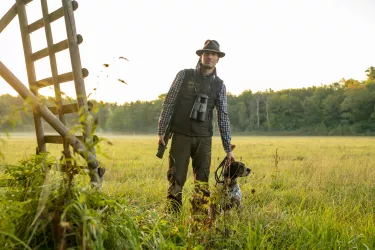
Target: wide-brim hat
[{"x": 212, "y": 46}]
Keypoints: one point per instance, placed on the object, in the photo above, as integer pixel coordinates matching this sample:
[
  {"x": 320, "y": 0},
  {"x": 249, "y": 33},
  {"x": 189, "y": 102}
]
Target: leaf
[
  {"x": 106, "y": 65},
  {"x": 120, "y": 80},
  {"x": 43, "y": 198},
  {"x": 121, "y": 57}
]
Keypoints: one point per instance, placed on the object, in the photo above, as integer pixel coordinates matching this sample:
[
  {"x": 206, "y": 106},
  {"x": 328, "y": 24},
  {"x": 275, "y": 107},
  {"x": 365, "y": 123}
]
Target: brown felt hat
[{"x": 212, "y": 46}]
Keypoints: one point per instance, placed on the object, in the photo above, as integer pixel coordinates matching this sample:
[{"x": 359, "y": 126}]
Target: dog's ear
[{"x": 232, "y": 170}]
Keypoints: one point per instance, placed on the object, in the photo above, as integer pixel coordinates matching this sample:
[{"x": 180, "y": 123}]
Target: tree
[
  {"x": 370, "y": 73},
  {"x": 358, "y": 106},
  {"x": 244, "y": 110},
  {"x": 257, "y": 98},
  {"x": 351, "y": 83},
  {"x": 265, "y": 97},
  {"x": 331, "y": 109}
]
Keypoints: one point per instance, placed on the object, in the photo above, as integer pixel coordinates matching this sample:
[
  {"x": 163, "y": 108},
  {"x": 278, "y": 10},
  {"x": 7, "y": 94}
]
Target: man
[{"x": 189, "y": 106}]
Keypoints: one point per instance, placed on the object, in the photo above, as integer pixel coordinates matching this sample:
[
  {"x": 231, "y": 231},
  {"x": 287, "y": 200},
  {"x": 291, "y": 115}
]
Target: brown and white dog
[
  {"x": 231, "y": 173},
  {"x": 229, "y": 195}
]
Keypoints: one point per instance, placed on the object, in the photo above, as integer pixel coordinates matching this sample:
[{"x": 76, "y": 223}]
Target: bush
[{"x": 41, "y": 209}]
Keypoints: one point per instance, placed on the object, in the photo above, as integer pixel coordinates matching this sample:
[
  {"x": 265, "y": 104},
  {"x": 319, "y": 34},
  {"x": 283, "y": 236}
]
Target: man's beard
[{"x": 207, "y": 66}]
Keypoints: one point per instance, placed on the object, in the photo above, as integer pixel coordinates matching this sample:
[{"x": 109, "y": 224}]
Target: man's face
[{"x": 210, "y": 59}]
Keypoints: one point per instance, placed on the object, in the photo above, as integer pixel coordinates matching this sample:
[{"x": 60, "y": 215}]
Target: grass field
[{"x": 320, "y": 194}]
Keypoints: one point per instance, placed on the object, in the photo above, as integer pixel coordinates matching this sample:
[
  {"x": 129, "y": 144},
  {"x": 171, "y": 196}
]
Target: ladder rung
[
  {"x": 62, "y": 167},
  {"x": 67, "y": 77},
  {"x": 66, "y": 109},
  {"x": 56, "y": 48},
  {"x": 57, "y": 139},
  {"x": 52, "y": 17}
]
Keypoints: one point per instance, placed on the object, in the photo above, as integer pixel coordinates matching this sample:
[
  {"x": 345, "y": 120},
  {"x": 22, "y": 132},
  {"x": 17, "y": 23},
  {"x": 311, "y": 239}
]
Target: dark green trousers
[{"x": 182, "y": 149}]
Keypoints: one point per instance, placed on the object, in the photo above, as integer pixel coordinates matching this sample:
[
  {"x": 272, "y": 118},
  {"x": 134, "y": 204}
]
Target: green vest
[{"x": 194, "y": 83}]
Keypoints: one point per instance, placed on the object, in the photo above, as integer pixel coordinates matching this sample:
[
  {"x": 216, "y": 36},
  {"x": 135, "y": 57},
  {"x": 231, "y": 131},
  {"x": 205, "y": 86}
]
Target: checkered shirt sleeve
[
  {"x": 223, "y": 119},
  {"x": 169, "y": 103}
]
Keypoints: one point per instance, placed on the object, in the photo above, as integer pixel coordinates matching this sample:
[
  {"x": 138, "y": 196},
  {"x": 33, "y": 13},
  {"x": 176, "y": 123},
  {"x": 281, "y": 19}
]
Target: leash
[{"x": 219, "y": 177}]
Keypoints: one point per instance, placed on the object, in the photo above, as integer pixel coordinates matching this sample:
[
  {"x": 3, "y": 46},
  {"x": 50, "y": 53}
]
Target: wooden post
[
  {"x": 77, "y": 71},
  {"x": 21, "y": 11},
  {"x": 55, "y": 74}
]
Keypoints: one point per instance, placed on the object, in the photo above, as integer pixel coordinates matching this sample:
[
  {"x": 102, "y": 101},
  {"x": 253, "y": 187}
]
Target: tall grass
[{"x": 319, "y": 195}]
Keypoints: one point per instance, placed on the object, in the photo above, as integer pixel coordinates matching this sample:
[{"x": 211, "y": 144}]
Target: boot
[{"x": 174, "y": 204}]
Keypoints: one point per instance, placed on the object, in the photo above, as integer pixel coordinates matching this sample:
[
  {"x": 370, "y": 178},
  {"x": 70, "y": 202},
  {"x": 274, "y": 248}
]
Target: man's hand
[
  {"x": 230, "y": 157},
  {"x": 161, "y": 139}
]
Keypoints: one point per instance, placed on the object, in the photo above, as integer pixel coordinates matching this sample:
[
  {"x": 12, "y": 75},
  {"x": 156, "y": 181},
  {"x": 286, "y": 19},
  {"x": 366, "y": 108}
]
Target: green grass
[{"x": 320, "y": 195}]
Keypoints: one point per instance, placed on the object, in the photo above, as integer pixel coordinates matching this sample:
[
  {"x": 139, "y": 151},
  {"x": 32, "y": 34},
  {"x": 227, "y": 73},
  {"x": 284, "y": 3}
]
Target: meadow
[{"x": 303, "y": 192}]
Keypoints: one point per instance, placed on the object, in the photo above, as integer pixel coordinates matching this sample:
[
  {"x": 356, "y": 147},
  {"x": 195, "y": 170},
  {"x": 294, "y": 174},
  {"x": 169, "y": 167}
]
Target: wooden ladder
[{"x": 77, "y": 75}]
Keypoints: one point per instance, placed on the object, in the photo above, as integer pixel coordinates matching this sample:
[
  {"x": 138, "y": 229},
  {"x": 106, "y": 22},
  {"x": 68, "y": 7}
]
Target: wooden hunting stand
[{"x": 79, "y": 143}]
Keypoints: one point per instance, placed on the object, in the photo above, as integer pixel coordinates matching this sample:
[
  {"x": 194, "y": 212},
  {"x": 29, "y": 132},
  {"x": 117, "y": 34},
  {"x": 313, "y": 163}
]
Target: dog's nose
[{"x": 246, "y": 172}]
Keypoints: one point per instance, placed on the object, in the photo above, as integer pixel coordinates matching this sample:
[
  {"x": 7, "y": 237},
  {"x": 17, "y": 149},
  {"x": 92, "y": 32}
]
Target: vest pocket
[{"x": 210, "y": 115}]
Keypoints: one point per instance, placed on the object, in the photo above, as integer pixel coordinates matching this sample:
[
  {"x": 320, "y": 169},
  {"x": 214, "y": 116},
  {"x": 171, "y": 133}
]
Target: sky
[{"x": 277, "y": 44}]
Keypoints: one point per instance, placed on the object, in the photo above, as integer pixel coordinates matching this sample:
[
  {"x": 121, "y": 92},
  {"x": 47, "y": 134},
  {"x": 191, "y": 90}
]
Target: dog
[
  {"x": 230, "y": 196},
  {"x": 205, "y": 207},
  {"x": 236, "y": 169}
]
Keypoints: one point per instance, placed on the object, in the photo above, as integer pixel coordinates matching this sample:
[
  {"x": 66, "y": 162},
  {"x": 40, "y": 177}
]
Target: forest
[{"x": 340, "y": 108}]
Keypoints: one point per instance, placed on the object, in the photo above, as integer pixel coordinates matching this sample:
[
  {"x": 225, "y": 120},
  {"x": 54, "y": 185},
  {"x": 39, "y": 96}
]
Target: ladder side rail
[
  {"x": 55, "y": 74},
  {"x": 30, "y": 67},
  {"x": 77, "y": 72}
]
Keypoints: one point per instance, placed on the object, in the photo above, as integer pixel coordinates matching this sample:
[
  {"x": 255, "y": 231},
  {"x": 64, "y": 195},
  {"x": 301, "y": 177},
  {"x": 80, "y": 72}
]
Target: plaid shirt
[{"x": 221, "y": 107}]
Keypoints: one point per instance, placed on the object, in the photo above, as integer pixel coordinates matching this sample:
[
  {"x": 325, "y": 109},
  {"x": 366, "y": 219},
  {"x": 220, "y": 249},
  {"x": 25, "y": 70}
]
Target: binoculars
[{"x": 198, "y": 112}]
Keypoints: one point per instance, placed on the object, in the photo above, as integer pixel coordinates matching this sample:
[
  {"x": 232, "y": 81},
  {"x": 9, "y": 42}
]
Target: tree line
[{"x": 340, "y": 108}]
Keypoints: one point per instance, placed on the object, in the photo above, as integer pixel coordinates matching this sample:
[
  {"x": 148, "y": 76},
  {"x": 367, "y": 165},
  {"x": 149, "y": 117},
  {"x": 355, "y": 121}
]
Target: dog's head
[{"x": 236, "y": 169}]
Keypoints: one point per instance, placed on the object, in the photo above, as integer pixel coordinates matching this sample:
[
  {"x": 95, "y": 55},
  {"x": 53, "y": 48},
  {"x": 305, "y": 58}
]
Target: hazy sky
[{"x": 274, "y": 44}]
